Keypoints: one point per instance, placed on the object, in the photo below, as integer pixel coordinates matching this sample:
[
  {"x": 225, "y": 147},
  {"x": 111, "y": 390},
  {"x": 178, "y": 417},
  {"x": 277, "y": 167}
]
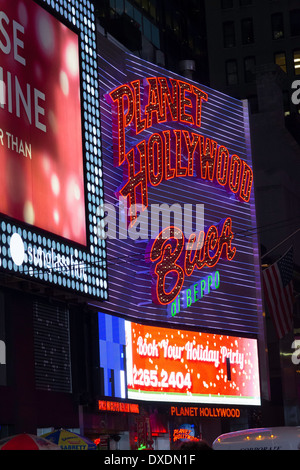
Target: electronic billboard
[
  {"x": 190, "y": 367},
  {"x": 50, "y": 150},
  {"x": 150, "y": 363}
]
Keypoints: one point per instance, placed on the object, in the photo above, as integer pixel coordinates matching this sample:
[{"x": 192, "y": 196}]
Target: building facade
[
  {"x": 245, "y": 35},
  {"x": 253, "y": 50},
  {"x": 101, "y": 329},
  {"x": 161, "y": 32},
  {"x": 49, "y": 257},
  {"x": 152, "y": 319}
]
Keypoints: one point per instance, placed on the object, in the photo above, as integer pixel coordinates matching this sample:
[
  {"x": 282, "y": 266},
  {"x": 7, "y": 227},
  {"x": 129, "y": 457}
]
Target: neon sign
[
  {"x": 205, "y": 412},
  {"x": 161, "y": 157},
  {"x": 176, "y": 145},
  {"x": 194, "y": 293},
  {"x": 184, "y": 434},
  {"x": 181, "y": 262},
  {"x": 118, "y": 407}
]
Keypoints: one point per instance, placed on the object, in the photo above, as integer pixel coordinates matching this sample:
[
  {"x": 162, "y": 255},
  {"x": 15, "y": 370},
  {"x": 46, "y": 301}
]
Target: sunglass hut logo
[{"x": 40, "y": 258}]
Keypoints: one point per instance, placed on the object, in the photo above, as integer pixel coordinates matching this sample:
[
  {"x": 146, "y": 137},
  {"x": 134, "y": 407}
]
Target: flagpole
[{"x": 270, "y": 251}]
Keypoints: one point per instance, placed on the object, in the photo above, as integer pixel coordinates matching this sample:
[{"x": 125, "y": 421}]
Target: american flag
[{"x": 278, "y": 290}]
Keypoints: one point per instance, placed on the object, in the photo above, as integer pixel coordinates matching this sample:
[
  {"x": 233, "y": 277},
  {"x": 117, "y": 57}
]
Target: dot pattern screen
[{"x": 51, "y": 175}]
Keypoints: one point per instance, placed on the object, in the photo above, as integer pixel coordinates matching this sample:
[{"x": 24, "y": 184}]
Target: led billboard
[
  {"x": 41, "y": 169},
  {"x": 191, "y": 367},
  {"x": 50, "y": 165},
  {"x": 143, "y": 362},
  {"x": 179, "y": 214}
]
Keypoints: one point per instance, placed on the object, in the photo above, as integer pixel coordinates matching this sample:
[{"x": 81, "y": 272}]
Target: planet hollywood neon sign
[{"x": 175, "y": 152}]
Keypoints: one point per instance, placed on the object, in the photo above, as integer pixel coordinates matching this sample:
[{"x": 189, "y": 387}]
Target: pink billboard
[{"x": 41, "y": 155}]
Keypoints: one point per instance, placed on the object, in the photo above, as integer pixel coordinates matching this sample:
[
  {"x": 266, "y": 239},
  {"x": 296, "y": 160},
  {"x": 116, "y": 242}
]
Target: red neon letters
[
  {"x": 171, "y": 258},
  {"x": 148, "y": 159},
  {"x": 160, "y": 157}
]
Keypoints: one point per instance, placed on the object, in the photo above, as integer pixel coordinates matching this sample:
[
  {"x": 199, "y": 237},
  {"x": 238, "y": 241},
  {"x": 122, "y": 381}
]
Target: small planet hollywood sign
[
  {"x": 170, "y": 146},
  {"x": 207, "y": 412}
]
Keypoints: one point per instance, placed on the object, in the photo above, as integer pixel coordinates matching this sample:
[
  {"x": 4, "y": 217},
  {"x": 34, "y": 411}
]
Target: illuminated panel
[
  {"x": 191, "y": 367},
  {"x": 119, "y": 407},
  {"x": 41, "y": 171},
  {"x": 51, "y": 167},
  {"x": 185, "y": 433},
  {"x": 112, "y": 355},
  {"x": 170, "y": 141}
]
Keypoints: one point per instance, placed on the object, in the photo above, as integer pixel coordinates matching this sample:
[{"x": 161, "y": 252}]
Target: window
[
  {"x": 253, "y": 104},
  {"x": 297, "y": 62},
  {"x": 153, "y": 9},
  {"x": 249, "y": 69},
  {"x": 155, "y": 39},
  {"x": 137, "y": 16},
  {"x": 128, "y": 9},
  {"x": 247, "y": 31},
  {"x": 119, "y": 6},
  {"x": 226, "y": 4},
  {"x": 229, "y": 34},
  {"x": 146, "y": 28},
  {"x": 231, "y": 72},
  {"x": 145, "y": 5},
  {"x": 295, "y": 22},
  {"x": 277, "y": 26},
  {"x": 280, "y": 59},
  {"x": 286, "y": 102}
]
